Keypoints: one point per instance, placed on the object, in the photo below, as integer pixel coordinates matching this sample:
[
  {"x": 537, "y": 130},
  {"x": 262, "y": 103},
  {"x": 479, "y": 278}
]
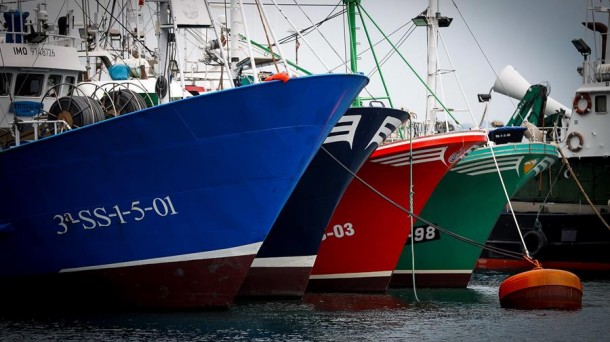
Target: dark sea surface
[{"x": 472, "y": 314}]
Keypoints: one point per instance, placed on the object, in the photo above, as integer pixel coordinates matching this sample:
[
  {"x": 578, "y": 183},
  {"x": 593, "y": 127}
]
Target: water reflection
[{"x": 354, "y": 302}]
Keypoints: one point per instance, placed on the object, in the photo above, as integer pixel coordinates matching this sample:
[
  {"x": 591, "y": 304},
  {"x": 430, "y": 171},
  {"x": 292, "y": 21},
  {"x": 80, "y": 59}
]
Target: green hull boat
[{"x": 467, "y": 202}]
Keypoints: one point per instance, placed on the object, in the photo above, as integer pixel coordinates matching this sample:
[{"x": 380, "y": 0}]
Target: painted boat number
[
  {"x": 340, "y": 231},
  {"x": 423, "y": 234},
  {"x": 102, "y": 217}
]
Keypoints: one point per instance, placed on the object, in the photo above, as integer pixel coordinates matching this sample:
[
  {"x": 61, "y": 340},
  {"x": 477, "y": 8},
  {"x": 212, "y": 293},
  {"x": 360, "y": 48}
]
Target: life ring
[
  {"x": 577, "y": 147},
  {"x": 576, "y": 104},
  {"x": 535, "y": 240}
]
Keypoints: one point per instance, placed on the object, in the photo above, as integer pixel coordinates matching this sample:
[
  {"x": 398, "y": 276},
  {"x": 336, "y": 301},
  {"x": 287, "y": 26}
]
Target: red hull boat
[{"x": 367, "y": 232}]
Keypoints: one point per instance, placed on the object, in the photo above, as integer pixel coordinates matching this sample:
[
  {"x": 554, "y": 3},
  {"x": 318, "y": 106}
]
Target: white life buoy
[
  {"x": 577, "y": 103},
  {"x": 579, "y": 141}
]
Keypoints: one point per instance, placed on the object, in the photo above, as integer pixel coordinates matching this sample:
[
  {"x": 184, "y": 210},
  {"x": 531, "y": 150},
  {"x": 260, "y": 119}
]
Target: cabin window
[
  {"x": 71, "y": 81},
  {"x": 29, "y": 84},
  {"x": 601, "y": 105},
  {"x": 5, "y": 84},
  {"x": 52, "y": 82}
]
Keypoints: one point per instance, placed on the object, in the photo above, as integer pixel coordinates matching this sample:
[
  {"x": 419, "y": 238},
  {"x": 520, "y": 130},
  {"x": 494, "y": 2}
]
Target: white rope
[
  {"x": 510, "y": 206},
  {"x": 275, "y": 41},
  {"x": 457, "y": 79},
  {"x": 315, "y": 26},
  {"x": 411, "y": 209},
  {"x": 249, "y": 42}
]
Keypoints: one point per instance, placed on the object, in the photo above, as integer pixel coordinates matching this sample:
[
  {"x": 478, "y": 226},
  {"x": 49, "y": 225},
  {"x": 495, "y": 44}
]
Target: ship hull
[
  {"x": 284, "y": 262},
  {"x": 195, "y": 183},
  {"x": 444, "y": 261},
  {"x": 366, "y": 234}
]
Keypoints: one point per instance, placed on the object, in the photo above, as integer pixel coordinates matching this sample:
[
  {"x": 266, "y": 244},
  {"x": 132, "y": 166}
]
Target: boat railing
[
  {"x": 40, "y": 128},
  {"x": 44, "y": 39}
]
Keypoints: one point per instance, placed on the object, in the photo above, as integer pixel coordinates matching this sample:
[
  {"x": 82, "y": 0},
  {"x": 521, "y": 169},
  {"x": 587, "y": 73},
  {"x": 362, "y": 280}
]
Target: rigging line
[
  {"x": 441, "y": 229},
  {"x": 107, "y": 33},
  {"x": 377, "y": 43},
  {"x": 510, "y": 206},
  {"x": 401, "y": 41},
  {"x": 300, "y": 35},
  {"x": 390, "y": 53},
  {"x": 316, "y": 26},
  {"x": 424, "y": 83},
  {"x": 411, "y": 194},
  {"x": 260, "y": 14},
  {"x": 481, "y": 49},
  {"x": 59, "y": 11},
  {"x": 309, "y": 29},
  {"x": 134, "y": 36},
  {"x": 457, "y": 78},
  {"x": 550, "y": 190},
  {"x": 344, "y": 41},
  {"x": 582, "y": 190}
]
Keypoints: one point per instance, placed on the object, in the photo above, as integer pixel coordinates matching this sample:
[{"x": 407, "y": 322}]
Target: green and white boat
[
  {"x": 467, "y": 202},
  {"x": 472, "y": 195}
]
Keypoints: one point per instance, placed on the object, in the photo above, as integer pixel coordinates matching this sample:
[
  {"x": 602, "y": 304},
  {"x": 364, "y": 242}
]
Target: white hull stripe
[
  {"x": 433, "y": 272},
  {"x": 419, "y": 156},
  {"x": 297, "y": 261},
  {"x": 544, "y": 164},
  {"x": 488, "y": 166},
  {"x": 221, "y": 253},
  {"x": 351, "y": 275}
]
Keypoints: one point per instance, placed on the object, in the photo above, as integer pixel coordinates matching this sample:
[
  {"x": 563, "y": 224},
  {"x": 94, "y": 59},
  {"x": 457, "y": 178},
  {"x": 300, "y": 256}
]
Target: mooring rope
[
  {"x": 582, "y": 190},
  {"x": 497, "y": 250}
]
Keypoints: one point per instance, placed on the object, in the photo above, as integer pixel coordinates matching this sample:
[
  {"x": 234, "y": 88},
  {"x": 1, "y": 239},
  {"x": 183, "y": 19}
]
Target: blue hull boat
[
  {"x": 286, "y": 258},
  {"x": 165, "y": 207}
]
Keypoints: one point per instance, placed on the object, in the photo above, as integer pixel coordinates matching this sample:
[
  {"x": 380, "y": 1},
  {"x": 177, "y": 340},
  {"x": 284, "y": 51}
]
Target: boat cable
[
  {"x": 132, "y": 34},
  {"x": 299, "y": 35},
  {"x": 411, "y": 193},
  {"x": 480, "y": 48},
  {"x": 424, "y": 83},
  {"x": 582, "y": 190},
  {"x": 266, "y": 28},
  {"x": 537, "y": 223},
  {"x": 501, "y": 251},
  {"x": 510, "y": 206}
]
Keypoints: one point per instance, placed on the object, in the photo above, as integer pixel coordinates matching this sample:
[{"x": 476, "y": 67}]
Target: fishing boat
[
  {"x": 283, "y": 265},
  {"x": 484, "y": 181},
  {"x": 164, "y": 207},
  {"x": 563, "y": 214},
  {"x": 366, "y": 234},
  {"x": 471, "y": 218},
  {"x": 363, "y": 240},
  {"x": 284, "y": 262}
]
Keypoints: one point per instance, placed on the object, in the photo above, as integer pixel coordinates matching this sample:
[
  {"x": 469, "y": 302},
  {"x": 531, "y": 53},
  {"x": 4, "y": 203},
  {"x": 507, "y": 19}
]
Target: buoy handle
[{"x": 534, "y": 262}]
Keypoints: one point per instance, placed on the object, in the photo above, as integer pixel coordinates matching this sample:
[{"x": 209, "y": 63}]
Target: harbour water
[{"x": 472, "y": 314}]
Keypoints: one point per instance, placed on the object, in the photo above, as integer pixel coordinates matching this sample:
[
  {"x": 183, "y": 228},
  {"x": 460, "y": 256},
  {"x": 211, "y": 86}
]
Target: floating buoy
[{"x": 542, "y": 289}]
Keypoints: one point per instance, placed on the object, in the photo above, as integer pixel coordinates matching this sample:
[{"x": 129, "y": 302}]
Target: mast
[
  {"x": 162, "y": 42},
  {"x": 353, "y": 54},
  {"x": 432, "y": 20},
  {"x": 432, "y": 63}
]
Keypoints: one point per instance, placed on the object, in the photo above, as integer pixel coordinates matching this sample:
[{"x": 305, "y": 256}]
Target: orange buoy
[{"x": 542, "y": 289}]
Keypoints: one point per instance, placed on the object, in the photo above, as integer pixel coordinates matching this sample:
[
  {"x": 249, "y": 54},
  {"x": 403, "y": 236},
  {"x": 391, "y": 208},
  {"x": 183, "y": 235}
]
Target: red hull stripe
[{"x": 507, "y": 264}]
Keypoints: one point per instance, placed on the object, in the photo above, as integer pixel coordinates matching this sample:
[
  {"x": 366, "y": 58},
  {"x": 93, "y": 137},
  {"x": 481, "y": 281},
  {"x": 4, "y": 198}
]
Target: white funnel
[{"x": 511, "y": 83}]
